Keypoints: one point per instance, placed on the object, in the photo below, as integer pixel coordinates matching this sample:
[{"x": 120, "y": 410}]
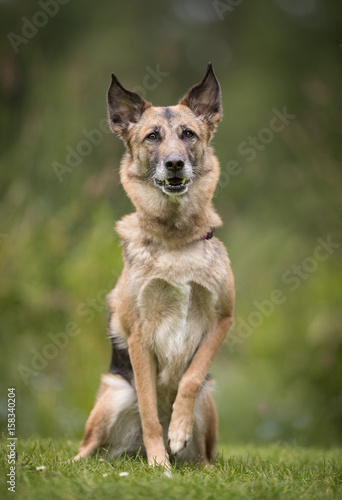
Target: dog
[{"x": 173, "y": 304}]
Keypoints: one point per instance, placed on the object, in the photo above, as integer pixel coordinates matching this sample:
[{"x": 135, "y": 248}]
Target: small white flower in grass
[
  {"x": 167, "y": 473},
  {"x": 122, "y": 474},
  {"x": 41, "y": 467},
  {"x": 104, "y": 475}
]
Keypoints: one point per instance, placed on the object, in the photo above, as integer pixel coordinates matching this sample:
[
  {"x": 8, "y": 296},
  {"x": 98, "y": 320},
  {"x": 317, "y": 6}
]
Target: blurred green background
[{"x": 279, "y": 377}]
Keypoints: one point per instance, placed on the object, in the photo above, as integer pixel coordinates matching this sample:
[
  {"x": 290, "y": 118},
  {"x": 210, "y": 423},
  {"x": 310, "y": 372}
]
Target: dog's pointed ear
[
  {"x": 204, "y": 99},
  {"x": 124, "y": 107}
]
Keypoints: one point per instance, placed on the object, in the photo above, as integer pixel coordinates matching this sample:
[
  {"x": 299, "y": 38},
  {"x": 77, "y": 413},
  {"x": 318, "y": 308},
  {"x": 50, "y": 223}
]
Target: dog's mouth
[{"x": 177, "y": 185}]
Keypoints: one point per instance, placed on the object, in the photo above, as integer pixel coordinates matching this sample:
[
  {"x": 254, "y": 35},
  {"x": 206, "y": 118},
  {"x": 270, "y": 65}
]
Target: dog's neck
[{"x": 178, "y": 225}]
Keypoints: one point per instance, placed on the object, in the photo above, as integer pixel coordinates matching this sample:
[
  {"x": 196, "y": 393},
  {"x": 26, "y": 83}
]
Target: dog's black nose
[{"x": 174, "y": 162}]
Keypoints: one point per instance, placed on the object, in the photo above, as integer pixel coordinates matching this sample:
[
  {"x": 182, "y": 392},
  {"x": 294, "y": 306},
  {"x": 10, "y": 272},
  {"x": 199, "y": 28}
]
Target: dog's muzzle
[{"x": 174, "y": 176}]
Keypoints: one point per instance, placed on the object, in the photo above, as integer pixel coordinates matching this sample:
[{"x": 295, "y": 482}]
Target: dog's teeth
[
  {"x": 183, "y": 180},
  {"x": 166, "y": 181}
]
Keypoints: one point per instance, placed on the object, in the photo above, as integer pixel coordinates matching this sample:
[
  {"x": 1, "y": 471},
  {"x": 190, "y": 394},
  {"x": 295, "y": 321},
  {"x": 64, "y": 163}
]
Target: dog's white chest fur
[{"x": 179, "y": 315}]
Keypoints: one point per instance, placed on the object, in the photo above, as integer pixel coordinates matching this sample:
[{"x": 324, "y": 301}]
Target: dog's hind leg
[
  {"x": 206, "y": 425},
  {"x": 211, "y": 434},
  {"x": 115, "y": 395}
]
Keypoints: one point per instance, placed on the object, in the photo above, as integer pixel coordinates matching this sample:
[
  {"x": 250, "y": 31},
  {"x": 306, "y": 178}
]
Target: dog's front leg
[
  {"x": 145, "y": 370},
  {"x": 182, "y": 419}
]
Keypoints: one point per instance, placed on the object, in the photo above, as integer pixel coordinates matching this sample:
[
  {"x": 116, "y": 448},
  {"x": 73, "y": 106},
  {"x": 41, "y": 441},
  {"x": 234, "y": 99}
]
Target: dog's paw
[
  {"x": 180, "y": 433},
  {"x": 161, "y": 460}
]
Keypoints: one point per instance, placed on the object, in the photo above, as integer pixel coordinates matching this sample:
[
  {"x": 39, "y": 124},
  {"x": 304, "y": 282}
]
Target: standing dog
[{"x": 173, "y": 304}]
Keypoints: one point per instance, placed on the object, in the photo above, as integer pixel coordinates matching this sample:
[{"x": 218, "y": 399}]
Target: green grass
[{"x": 272, "y": 472}]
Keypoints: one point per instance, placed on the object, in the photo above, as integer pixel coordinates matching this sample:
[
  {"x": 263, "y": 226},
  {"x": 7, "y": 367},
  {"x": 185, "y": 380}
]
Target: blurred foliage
[{"x": 60, "y": 255}]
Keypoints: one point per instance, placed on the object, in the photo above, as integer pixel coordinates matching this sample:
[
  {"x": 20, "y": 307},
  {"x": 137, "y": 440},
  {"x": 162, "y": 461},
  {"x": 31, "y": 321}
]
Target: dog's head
[{"x": 168, "y": 146}]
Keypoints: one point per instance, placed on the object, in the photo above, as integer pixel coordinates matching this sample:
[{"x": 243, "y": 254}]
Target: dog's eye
[
  {"x": 152, "y": 137},
  {"x": 189, "y": 133}
]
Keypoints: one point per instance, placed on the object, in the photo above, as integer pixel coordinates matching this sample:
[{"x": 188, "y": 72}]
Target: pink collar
[{"x": 209, "y": 234}]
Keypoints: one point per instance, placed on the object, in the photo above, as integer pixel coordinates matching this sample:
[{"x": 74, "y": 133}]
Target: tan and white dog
[{"x": 173, "y": 304}]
